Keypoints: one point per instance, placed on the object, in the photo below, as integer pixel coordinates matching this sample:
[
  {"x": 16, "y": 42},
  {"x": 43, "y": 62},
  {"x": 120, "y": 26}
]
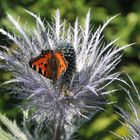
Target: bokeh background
[{"x": 126, "y": 26}]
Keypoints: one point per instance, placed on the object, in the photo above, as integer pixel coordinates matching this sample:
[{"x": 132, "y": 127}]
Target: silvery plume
[
  {"x": 132, "y": 117},
  {"x": 80, "y": 91}
]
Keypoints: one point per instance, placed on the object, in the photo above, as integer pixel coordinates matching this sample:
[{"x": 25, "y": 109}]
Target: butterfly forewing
[
  {"x": 62, "y": 64},
  {"x": 41, "y": 64}
]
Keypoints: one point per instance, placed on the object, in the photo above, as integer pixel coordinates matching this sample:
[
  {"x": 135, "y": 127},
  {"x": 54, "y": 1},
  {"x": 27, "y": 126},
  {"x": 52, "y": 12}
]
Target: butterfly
[{"x": 51, "y": 64}]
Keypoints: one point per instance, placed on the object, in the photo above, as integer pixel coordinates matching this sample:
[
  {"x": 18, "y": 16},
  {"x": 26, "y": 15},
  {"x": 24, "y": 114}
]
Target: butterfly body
[{"x": 51, "y": 64}]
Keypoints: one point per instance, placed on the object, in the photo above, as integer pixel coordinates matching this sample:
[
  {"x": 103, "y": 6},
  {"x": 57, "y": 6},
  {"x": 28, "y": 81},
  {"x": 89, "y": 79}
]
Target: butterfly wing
[
  {"x": 61, "y": 64},
  {"x": 41, "y": 64},
  {"x": 49, "y": 64}
]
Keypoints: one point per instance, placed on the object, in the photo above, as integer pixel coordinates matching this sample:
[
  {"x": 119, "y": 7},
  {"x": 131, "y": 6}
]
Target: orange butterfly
[{"x": 51, "y": 64}]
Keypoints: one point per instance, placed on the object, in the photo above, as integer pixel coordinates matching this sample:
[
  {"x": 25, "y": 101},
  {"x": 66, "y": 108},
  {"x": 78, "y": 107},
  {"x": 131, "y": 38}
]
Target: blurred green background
[{"x": 126, "y": 26}]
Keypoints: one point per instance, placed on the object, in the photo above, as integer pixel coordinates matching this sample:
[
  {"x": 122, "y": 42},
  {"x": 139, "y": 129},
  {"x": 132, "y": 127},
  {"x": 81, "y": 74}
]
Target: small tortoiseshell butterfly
[{"x": 51, "y": 64}]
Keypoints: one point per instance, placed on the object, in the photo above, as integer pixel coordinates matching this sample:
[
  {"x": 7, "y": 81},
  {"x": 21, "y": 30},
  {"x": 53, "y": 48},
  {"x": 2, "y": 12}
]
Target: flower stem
[{"x": 57, "y": 133}]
